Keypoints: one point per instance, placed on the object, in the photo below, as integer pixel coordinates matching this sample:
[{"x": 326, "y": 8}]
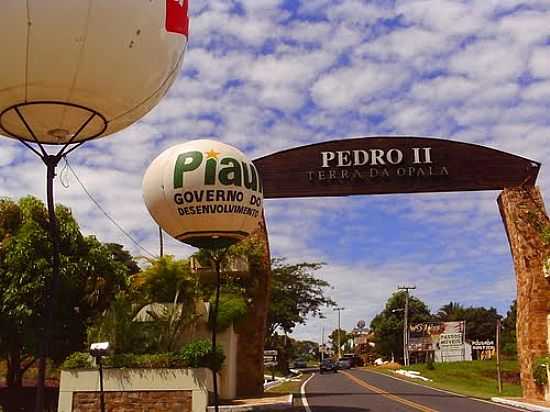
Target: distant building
[{"x": 363, "y": 345}]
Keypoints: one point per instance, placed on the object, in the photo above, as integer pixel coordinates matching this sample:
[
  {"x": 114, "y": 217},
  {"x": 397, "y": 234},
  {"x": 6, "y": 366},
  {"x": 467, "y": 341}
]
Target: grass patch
[
  {"x": 476, "y": 378},
  {"x": 290, "y": 387}
]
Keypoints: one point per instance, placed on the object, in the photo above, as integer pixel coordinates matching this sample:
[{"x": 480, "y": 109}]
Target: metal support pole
[
  {"x": 406, "y": 324},
  {"x": 217, "y": 261},
  {"x": 322, "y": 344},
  {"x": 338, "y": 337},
  {"x": 499, "y": 377},
  {"x": 52, "y": 284},
  {"x": 101, "y": 393},
  {"x": 405, "y": 330},
  {"x": 161, "y": 241}
]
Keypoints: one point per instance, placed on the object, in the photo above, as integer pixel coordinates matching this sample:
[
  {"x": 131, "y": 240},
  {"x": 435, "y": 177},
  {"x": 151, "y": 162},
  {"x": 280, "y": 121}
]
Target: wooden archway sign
[{"x": 384, "y": 165}]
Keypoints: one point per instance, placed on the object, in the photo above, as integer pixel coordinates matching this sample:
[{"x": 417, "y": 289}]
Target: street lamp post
[
  {"x": 99, "y": 350},
  {"x": 339, "y": 309},
  {"x": 406, "y": 324}
]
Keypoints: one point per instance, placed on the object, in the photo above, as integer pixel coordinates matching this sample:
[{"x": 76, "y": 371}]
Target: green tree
[
  {"x": 152, "y": 316},
  {"x": 306, "y": 349},
  {"x": 119, "y": 253},
  {"x": 387, "y": 326},
  {"x": 450, "y": 312},
  {"x": 296, "y": 294},
  {"x": 345, "y": 340},
  {"x": 509, "y": 339},
  {"x": 165, "y": 277},
  {"x": 89, "y": 277},
  {"x": 480, "y": 321}
]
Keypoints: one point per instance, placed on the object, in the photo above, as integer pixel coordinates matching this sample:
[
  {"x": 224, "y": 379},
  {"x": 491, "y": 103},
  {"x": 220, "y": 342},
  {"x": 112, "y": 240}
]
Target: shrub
[
  {"x": 232, "y": 308},
  {"x": 430, "y": 365},
  {"x": 78, "y": 360},
  {"x": 539, "y": 370},
  {"x": 199, "y": 354}
]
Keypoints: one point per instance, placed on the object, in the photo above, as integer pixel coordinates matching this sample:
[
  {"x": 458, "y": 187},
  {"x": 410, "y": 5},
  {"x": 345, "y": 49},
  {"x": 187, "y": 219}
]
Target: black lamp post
[
  {"x": 69, "y": 140},
  {"x": 99, "y": 350}
]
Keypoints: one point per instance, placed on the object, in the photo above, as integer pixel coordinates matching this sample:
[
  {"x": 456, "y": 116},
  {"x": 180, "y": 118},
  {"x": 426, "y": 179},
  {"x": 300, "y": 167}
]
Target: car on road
[
  {"x": 300, "y": 363},
  {"x": 344, "y": 363},
  {"x": 328, "y": 366}
]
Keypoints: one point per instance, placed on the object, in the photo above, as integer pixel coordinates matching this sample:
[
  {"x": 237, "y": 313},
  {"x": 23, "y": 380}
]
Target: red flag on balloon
[{"x": 177, "y": 20}]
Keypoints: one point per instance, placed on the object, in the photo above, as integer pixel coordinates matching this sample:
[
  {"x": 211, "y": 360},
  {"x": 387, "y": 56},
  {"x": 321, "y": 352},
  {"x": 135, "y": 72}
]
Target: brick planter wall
[
  {"x": 136, "y": 390},
  {"x": 142, "y": 401}
]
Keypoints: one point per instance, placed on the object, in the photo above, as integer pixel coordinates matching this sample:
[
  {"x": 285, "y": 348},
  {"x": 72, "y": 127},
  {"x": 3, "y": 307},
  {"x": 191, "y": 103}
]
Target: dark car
[
  {"x": 300, "y": 363},
  {"x": 328, "y": 366},
  {"x": 344, "y": 363}
]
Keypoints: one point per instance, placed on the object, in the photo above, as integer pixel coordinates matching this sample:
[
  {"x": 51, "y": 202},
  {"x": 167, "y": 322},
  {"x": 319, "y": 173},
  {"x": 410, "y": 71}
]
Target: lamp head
[{"x": 99, "y": 349}]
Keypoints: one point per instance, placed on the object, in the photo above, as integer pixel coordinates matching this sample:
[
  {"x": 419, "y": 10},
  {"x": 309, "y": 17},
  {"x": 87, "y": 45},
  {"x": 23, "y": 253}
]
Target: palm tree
[{"x": 452, "y": 311}]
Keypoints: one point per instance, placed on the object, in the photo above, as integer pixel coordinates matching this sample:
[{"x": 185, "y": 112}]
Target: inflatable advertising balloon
[
  {"x": 89, "y": 67},
  {"x": 204, "y": 193}
]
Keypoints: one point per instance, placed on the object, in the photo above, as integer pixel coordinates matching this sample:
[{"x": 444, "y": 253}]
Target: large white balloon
[
  {"x": 66, "y": 62},
  {"x": 204, "y": 193}
]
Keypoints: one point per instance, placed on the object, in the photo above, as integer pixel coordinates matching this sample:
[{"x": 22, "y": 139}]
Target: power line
[{"x": 107, "y": 215}]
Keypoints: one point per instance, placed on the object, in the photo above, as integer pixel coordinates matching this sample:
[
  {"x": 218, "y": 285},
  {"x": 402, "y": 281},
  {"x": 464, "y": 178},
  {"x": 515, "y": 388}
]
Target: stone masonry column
[
  {"x": 252, "y": 329},
  {"x": 525, "y": 218}
]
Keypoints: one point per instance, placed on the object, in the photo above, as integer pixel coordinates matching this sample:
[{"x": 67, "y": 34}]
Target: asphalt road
[{"x": 360, "y": 391}]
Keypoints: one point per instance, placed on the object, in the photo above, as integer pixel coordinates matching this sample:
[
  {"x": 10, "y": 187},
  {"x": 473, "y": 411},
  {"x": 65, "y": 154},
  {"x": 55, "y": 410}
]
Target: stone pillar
[
  {"x": 252, "y": 329},
  {"x": 525, "y": 219}
]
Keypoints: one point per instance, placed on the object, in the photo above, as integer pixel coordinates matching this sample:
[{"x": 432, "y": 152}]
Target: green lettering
[
  {"x": 250, "y": 182},
  {"x": 186, "y": 162},
  {"x": 232, "y": 174},
  {"x": 210, "y": 172}
]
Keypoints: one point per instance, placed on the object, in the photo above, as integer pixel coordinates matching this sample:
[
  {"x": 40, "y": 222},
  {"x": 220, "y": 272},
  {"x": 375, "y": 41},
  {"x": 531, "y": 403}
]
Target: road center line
[{"x": 386, "y": 394}]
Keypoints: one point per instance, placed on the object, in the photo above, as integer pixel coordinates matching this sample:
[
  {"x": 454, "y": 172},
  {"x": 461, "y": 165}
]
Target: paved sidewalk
[
  {"x": 268, "y": 402},
  {"x": 536, "y": 406}
]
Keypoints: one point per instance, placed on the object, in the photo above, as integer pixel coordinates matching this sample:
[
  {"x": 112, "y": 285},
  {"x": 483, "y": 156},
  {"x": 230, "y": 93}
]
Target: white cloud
[
  {"x": 266, "y": 75},
  {"x": 343, "y": 88},
  {"x": 489, "y": 60},
  {"x": 539, "y": 63}
]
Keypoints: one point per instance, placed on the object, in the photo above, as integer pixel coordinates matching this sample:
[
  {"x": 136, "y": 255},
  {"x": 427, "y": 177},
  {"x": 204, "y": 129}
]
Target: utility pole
[
  {"x": 322, "y": 343},
  {"x": 499, "y": 377},
  {"x": 406, "y": 324},
  {"x": 161, "y": 241},
  {"x": 339, "y": 309}
]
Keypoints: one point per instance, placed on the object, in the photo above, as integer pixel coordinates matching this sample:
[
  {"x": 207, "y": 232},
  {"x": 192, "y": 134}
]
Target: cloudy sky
[{"x": 266, "y": 75}]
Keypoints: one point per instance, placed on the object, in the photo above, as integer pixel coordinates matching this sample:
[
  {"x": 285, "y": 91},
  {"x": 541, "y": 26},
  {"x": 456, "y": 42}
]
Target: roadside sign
[
  {"x": 483, "y": 345},
  {"x": 450, "y": 339},
  {"x": 270, "y": 357}
]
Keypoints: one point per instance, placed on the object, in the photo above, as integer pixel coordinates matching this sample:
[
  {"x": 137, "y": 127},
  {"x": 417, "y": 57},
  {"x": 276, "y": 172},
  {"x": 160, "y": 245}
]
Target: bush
[
  {"x": 539, "y": 370},
  {"x": 232, "y": 308},
  {"x": 199, "y": 354},
  {"x": 78, "y": 360},
  {"x": 430, "y": 365},
  {"x": 154, "y": 361}
]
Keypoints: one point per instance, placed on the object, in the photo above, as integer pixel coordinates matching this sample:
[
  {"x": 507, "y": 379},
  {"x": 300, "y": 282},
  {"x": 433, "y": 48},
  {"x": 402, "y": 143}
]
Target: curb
[
  {"x": 276, "y": 406},
  {"x": 522, "y": 405}
]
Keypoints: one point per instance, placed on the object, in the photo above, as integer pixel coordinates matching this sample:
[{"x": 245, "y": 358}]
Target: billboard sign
[{"x": 431, "y": 336}]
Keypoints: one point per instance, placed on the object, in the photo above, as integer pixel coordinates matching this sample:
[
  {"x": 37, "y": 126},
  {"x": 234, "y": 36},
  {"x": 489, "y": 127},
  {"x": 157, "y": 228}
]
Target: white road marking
[{"x": 303, "y": 392}]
